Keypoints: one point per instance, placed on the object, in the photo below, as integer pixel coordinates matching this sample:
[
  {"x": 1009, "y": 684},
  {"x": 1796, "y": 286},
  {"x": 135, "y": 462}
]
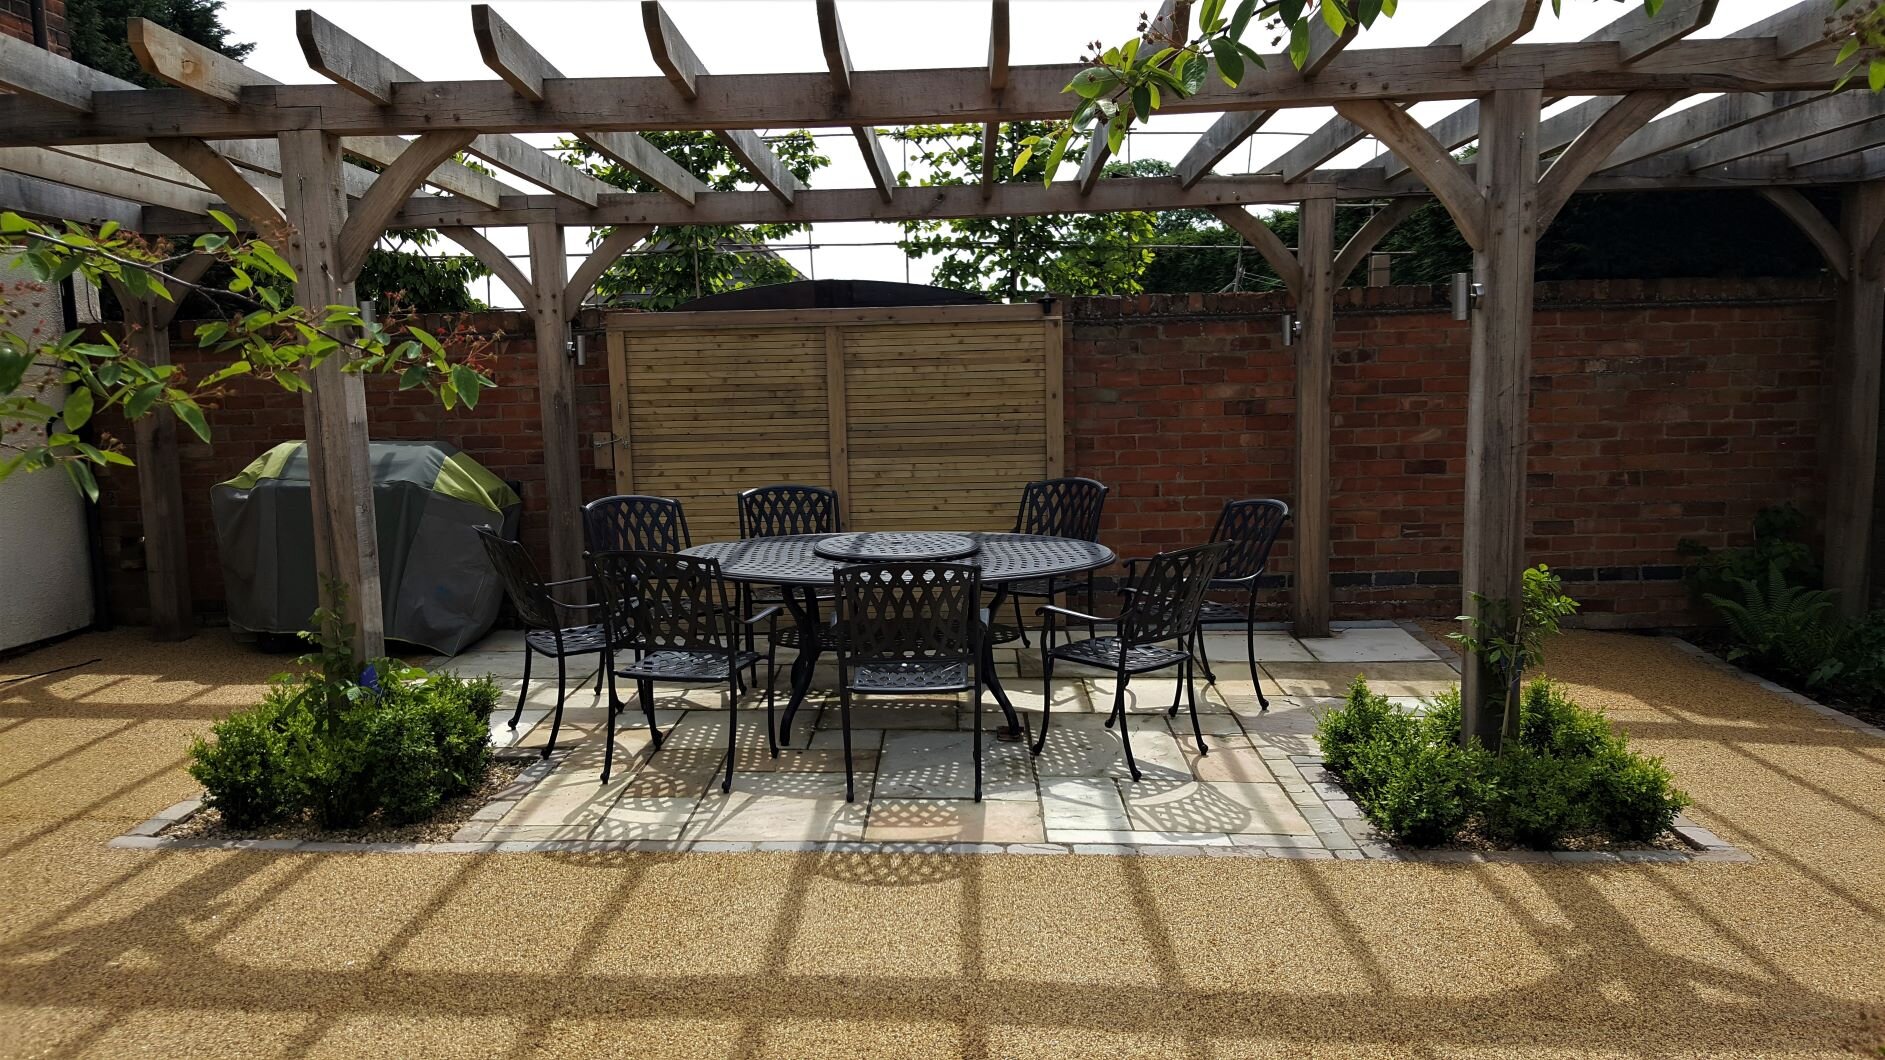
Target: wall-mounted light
[
  {"x": 1466, "y": 295},
  {"x": 1292, "y": 328},
  {"x": 369, "y": 311}
]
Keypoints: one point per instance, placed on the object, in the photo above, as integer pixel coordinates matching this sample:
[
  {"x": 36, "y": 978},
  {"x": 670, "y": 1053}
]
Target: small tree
[{"x": 1507, "y": 647}]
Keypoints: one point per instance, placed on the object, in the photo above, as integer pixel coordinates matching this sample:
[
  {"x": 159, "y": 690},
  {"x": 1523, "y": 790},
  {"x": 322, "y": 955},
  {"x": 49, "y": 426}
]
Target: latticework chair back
[
  {"x": 1062, "y": 507},
  {"x": 669, "y": 602},
  {"x": 909, "y": 612},
  {"x": 635, "y": 523},
  {"x": 1165, "y": 598},
  {"x": 785, "y": 510},
  {"x": 532, "y": 602},
  {"x": 1250, "y": 528}
]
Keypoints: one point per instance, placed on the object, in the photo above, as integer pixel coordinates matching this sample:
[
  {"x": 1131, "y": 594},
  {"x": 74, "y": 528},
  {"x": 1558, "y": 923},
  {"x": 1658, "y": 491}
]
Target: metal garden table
[{"x": 801, "y": 564}]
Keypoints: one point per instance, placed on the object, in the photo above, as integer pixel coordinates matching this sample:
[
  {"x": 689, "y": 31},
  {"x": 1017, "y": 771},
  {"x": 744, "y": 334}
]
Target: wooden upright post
[
  {"x": 1499, "y": 381},
  {"x": 556, "y": 395},
  {"x": 1315, "y": 355},
  {"x": 346, "y": 544},
  {"x": 1852, "y": 427},
  {"x": 159, "y": 486}
]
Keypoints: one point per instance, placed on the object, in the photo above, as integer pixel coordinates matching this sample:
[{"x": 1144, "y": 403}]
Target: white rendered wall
[{"x": 45, "y": 559}]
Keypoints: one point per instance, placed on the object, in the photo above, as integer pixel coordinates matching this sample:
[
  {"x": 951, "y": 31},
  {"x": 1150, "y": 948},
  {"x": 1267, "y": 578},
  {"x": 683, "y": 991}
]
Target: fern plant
[{"x": 1784, "y": 627}]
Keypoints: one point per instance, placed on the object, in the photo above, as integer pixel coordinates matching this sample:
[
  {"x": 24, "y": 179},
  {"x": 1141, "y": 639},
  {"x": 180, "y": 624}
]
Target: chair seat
[
  {"x": 1103, "y": 652},
  {"x": 994, "y": 633},
  {"x": 1212, "y": 611},
  {"x": 702, "y": 666},
  {"x": 1038, "y": 586},
  {"x": 577, "y": 640},
  {"x": 793, "y": 636},
  {"x": 890, "y": 678}
]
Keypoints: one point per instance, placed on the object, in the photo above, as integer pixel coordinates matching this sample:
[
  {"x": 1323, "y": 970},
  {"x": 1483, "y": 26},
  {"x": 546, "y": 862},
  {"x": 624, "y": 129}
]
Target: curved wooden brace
[
  {"x": 502, "y": 267},
  {"x": 366, "y": 222},
  {"x": 1428, "y": 158},
  {"x": 189, "y": 270},
  {"x": 1814, "y": 225},
  {"x": 1266, "y": 242},
  {"x": 1593, "y": 147},
  {"x": 1377, "y": 227},
  {"x": 613, "y": 246},
  {"x": 222, "y": 177}
]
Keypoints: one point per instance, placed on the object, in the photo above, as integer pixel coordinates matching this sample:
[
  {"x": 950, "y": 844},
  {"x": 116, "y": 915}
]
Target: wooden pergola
[{"x": 79, "y": 144}]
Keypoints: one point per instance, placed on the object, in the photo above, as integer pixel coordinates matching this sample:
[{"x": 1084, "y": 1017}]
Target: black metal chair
[
  {"x": 1160, "y": 607},
  {"x": 1250, "y": 527},
  {"x": 542, "y": 615},
  {"x": 908, "y": 627},
  {"x": 1055, "y": 507},
  {"x": 673, "y": 610},
  {"x": 635, "y": 523},
  {"x": 784, "y": 510}
]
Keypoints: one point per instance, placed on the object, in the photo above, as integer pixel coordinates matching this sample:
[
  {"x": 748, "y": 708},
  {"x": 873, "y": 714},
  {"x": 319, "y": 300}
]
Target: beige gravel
[{"x": 114, "y": 953}]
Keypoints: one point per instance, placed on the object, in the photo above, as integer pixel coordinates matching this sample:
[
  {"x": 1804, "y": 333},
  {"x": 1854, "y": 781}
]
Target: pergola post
[
  {"x": 556, "y": 396},
  {"x": 1315, "y": 355},
  {"x": 159, "y": 483},
  {"x": 346, "y": 544},
  {"x": 1499, "y": 383},
  {"x": 1852, "y": 421}
]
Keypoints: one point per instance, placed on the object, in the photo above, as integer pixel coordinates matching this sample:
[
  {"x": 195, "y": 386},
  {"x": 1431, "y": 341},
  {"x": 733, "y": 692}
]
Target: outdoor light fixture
[
  {"x": 1466, "y": 294},
  {"x": 369, "y": 311},
  {"x": 576, "y": 347},
  {"x": 1291, "y": 329}
]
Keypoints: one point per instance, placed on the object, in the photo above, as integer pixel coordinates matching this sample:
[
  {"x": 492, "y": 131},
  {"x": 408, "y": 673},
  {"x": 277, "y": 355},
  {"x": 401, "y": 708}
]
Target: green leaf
[
  {"x": 273, "y": 260},
  {"x": 1299, "y": 44},
  {"x": 1240, "y": 19},
  {"x": 426, "y": 337},
  {"x": 1875, "y": 74},
  {"x": 190, "y": 413},
  {"x": 78, "y": 408},
  {"x": 13, "y": 224},
  {"x": 1334, "y": 17},
  {"x": 81, "y": 475},
  {"x": 1092, "y": 81},
  {"x": 1059, "y": 152},
  {"x": 13, "y": 365},
  {"x": 227, "y": 372},
  {"x": 142, "y": 399},
  {"x": 1142, "y": 101},
  {"x": 467, "y": 383},
  {"x": 1230, "y": 64},
  {"x": 412, "y": 376},
  {"x": 224, "y": 219}
]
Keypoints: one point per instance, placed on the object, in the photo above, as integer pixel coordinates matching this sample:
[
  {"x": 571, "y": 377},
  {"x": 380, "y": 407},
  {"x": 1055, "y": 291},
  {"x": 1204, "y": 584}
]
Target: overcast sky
[{"x": 598, "y": 38}]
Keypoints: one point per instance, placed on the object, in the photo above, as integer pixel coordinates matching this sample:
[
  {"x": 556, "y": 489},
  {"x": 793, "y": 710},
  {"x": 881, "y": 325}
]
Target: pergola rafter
[{"x": 76, "y": 143}]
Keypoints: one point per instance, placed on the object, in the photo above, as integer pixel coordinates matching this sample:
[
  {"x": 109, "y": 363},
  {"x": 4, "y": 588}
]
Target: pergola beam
[
  {"x": 1588, "y": 151},
  {"x": 997, "y": 84},
  {"x": 1829, "y": 146},
  {"x": 224, "y": 179},
  {"x": 687, "y": 75},
  {"x": 1409, "y": 140},
  {"x": 1826, "y": 114},
  {"x": 618, "y": 242},
  {"x": 496, "y": 260},
  {"x": 54, "y": 200},
  {"x": 508, "y": 54},
  {"x": 367, "y": 221},
  {"x": 838, "y": 62},
  {"x": 89, "y": 175},
  {"x": 1266, "y": 242}
]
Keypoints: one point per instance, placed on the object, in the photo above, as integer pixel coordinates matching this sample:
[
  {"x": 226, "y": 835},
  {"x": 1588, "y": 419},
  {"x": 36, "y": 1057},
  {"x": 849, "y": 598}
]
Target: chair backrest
[
  {"x": 635, "y": 523},
  {"x": 784, "y": 510},
  {"x": 1062, "y": 507},
  {"x": 532, "y": 602},
  {"x": 664, "y": 601},
  {"x": 1250, "y": 527},
  {"x": 1165, "y": 597},
  {"x": 909, "y": 611}
]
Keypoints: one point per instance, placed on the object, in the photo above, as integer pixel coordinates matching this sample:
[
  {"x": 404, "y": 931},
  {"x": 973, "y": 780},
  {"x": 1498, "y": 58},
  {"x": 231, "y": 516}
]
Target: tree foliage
[{"x": 678, "y": 263}]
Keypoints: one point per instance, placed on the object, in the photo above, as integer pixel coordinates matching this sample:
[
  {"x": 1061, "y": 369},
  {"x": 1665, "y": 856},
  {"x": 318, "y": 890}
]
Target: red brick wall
[
  {"x": 16, "y": 20},
  {"x": 1659, "y": 411}
]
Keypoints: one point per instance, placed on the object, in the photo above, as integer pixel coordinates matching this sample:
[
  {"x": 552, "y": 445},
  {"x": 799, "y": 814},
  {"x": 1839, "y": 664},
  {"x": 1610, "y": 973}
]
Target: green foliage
[
  {"x": 1777, "y": 546},
  {"x": 679, "y": 263},
  {"x": 1507, "y": 646},
  {"x": 1569, "y": 774},
  {"x": 1017, "y": 257},
  {"x": 1785, "y": 628},
  {"x": 338, "y": 744},
  {"x": 96, "y": 28},
  {"x": 407, "y": 273}
]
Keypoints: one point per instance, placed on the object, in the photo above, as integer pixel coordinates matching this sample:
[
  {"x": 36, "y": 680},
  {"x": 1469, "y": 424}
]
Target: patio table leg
[
  {"x": 1013, "y": 731},
  {"x": 805, "y": 667}
]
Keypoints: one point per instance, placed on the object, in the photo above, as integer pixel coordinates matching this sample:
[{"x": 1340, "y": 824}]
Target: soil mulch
[{"x": 439, "y": 828}]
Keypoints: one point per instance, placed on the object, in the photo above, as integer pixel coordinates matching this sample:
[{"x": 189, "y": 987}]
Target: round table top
[{"x": 1002, "y": 558}]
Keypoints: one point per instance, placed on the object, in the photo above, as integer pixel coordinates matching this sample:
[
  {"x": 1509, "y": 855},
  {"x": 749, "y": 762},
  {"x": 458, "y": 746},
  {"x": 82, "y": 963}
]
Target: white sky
[{"x": 598, "y": 38}]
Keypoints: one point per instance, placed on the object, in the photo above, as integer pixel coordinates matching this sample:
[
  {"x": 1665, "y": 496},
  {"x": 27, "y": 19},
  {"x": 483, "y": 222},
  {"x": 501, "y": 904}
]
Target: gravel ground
[{"x": 213, "y": 953}]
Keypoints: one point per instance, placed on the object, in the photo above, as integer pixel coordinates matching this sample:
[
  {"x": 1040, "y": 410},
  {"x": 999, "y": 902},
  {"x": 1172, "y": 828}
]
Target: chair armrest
[
  {"x": 757, "y": 617},
  {"x": 566, "y": 581},
  {"x": 1079, "y": 616},
  {"x": 574, "y": 607}
]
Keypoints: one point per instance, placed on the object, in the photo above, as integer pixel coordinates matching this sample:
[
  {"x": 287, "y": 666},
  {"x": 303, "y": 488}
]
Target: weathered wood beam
[
  {"x": 1407, "y": 138},
  {"x": 618, "y": 242},
  {"x": 367, "y": 221},
  {"x": 520, "y": 159},
  {"x": 1499, "y": 390},
  {"x": 334, "y": 413},
  {"x": 1786, "y": 128},
  {"x": 1807, "y": 25},
  {"x": 496, "y": 260},
  {"x": 1266, "y": 242},
  {"x": 889, "y": 98},
  {"x": 997, "y": 84},
  {"x": 1852, "y": 422},
  {"x": 1827, "y": 147},
  {"x": 1093, "y": 163},
  {"x": 686, "y": 74},
  {"x": 1370, "y": 235},
  {"x": 1705, "y": 119},
  {"x": 143, "y": 160},
  {"x": 838, "y": 62},
  {"x": 1315, "y": 368},
  {"x": 87, "y": 175},
  {"x": 346, "y": 60},
  {"x": 556, "y": 398},
  {"x": 226, "y": 180},
  {"x": 1822, "y": 233},
  {"x": 1578, "y": 161},
  {"x": 51, "y": 78},
  {"x": 214, "y": 76},
  {"x": 53, "y": 200}
]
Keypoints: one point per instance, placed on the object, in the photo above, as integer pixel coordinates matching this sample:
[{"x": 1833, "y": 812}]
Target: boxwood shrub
[
  {"x": 338, "y": 756},
  {"x": 1569, "y": 775}
]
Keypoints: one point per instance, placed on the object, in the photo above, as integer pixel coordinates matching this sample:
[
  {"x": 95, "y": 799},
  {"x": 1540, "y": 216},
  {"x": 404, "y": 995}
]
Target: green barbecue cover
[{"x": 438, "y": 589}]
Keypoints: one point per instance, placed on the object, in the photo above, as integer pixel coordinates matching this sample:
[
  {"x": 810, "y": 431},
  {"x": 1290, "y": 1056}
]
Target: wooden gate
[{"x": 920, "y": 418}]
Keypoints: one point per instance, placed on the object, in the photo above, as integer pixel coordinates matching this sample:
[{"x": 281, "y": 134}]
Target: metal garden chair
[
  {"x": 545, "y": 630},
  {"x": 635, "y": 523},
  {"x": 784, "y": 510},
  {"x": 673, "y": 610},
  {"x": 908, "y": 627},
  {"x": 1055, "y": 507},
  {"x": 1160, "y": 609},
  {"x": 1250, "y": 528}
]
